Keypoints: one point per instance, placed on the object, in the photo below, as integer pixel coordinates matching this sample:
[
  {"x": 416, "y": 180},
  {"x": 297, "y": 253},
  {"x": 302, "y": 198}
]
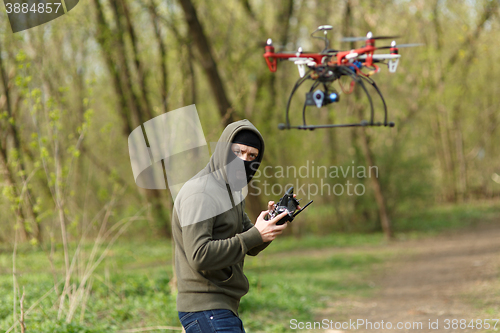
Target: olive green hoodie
[{"x": 212, "y": 234}]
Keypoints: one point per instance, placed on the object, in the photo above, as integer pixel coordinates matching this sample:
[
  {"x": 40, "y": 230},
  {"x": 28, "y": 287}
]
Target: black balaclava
[{"x": 248, "y": 138}]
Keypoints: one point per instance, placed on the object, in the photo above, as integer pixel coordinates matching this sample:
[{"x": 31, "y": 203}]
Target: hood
[{"x": 218, "y": 161}]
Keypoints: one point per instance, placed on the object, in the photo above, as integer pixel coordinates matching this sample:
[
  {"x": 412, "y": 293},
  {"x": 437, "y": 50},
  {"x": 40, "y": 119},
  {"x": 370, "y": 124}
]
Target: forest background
[{"x": 72, "y": 90}]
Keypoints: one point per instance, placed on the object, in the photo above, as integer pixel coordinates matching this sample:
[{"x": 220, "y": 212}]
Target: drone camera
[
  {"x": 320, "y": 98},
  {"x": 333, "y": 97}
]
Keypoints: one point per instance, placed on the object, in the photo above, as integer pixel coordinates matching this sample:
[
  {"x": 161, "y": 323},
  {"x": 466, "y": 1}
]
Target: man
[{"x": 212, "y": 233}]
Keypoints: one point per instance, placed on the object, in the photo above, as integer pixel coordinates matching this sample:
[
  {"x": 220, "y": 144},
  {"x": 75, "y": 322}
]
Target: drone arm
[
  {"x": 393, "y": 60},
  {"x": 272, "y": 57}
]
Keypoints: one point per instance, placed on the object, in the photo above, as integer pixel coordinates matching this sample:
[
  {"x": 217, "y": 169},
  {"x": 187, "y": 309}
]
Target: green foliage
[{"x": 66, "y": 99}]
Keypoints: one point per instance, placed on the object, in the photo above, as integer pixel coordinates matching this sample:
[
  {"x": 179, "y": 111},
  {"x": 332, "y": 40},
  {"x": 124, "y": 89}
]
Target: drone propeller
[
  {"x": 400, "y": 46},
  {"x": 288, "y": 52},
  {"x": 270, "y": 42},
  {"x": 281, "y": 48},
  {"x": 368, "y": 37},
  {"x": 277, "y": 46}
]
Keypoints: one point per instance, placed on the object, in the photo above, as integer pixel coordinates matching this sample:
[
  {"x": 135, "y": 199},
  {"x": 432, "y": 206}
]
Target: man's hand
[{"x": 268, "y": 229}]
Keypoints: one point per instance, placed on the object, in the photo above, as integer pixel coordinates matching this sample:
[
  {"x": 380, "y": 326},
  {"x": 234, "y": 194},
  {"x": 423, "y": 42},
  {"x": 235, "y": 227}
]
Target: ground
[{"x": 451, "y": 276}]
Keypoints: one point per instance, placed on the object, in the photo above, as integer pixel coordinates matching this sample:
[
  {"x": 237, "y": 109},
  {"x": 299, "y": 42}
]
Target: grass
[
  {"x": 131, "y": 287},
  {"x": 292, "y": 279},
  {"x": 285, "y": 287},
  {"x": 485, "y": 300},
  {"x": 327, "y": 241},
  {"x": 447, "y": 217}
]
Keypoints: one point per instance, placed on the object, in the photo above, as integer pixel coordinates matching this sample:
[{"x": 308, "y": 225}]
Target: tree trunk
[
  {"x": 207, "y": 61},
  {"x": 132, "y": 111},
  {"x": 146, "y": 105},
  {"x": 103, "y": 37},
  {"x": 379, "y": 196},
  {"x": 163, "y": 57},
  {"x": 124, "y": 71},
  {"x": 365, "y": 140}
]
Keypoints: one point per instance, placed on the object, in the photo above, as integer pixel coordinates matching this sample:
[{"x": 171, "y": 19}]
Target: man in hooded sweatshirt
[{"x": 212, "y": 233}]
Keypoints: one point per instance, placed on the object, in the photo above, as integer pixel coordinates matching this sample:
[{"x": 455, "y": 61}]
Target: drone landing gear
[
  {"x": 358, "y": 79},
  {"x": 363, "y": 123}
]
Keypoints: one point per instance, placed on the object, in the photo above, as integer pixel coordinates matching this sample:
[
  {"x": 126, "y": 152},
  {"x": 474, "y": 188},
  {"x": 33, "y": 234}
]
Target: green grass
[
  {"x": 292, "y": 279},
  {"x": 131, "y": 287},
  {"x": 285, "y": 287},
  {"x": 327, "y": 241},
  {"x": 437, "y": 219}
]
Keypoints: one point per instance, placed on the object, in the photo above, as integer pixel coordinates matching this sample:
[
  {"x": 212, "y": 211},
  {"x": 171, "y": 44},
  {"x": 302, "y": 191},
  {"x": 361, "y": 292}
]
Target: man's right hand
[{"x": 268, "y": 229}]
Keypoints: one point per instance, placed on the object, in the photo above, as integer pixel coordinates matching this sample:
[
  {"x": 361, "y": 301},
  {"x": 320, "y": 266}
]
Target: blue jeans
[{"x": 211, "y": 321}]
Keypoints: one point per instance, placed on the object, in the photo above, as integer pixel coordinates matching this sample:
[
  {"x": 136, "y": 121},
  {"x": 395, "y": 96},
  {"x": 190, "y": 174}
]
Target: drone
[{"x": 331, "y": 65}]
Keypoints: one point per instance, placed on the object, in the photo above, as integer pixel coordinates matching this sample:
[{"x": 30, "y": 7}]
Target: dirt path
[{"x": 453, "y": 276}]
